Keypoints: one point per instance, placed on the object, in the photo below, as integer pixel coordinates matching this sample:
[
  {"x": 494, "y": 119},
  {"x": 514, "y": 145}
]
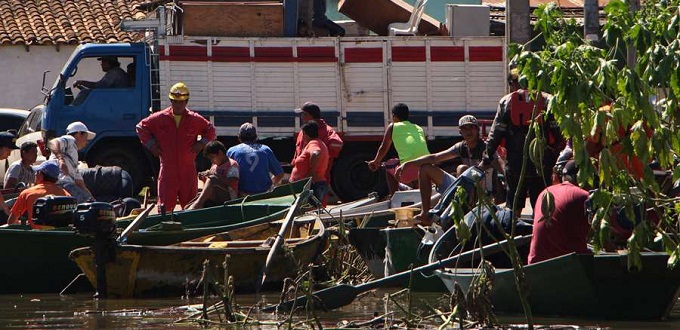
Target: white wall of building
[{"x": 22, "y": 69}]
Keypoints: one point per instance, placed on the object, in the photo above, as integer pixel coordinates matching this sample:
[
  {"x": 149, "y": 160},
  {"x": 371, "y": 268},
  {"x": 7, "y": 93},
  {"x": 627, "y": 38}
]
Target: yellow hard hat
[{"x": 179, "y": 92}]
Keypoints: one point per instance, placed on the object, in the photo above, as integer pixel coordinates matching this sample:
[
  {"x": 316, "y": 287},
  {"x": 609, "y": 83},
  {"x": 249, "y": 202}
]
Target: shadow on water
[{"x": 83, "y": 312}]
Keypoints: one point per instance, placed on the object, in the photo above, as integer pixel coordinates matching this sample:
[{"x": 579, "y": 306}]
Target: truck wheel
[
  {"x": 131, "y": 161},
  {"x": 353, "y": 180}
]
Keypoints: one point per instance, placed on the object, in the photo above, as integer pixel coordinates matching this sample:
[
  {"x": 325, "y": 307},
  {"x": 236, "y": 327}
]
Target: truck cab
[{"x": 112, "y": 113}]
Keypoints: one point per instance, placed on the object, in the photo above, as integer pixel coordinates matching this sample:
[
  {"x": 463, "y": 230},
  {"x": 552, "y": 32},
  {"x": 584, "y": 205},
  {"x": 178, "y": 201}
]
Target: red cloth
[
  {"x": 26, "y": 199},
  {"x": 301, "y": 164},
  {"x": 567, "y": 228},
  {"x": 178, "y": 176},
  {"x": 328, "y": 136},
  {"x": 227, "y": 170}
]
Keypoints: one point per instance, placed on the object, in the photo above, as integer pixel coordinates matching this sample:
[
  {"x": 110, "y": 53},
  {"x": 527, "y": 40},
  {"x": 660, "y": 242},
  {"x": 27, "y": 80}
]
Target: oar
[
  {"x": 344, "y": 294},
  {"x": 135, "y": 223},
  {"x": 279, "y": 237}
]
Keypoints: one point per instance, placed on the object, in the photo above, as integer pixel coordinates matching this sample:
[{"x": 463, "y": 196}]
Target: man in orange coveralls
[{"x": 172, "y": 134}]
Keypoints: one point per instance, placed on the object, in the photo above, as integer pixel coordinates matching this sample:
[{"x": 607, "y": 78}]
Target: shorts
[
  {"x": 449, "y": 179},
  {"x": 408, "y": 175}
]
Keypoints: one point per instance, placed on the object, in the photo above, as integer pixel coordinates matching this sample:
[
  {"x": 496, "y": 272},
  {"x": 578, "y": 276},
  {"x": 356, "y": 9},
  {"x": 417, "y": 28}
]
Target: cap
[
  {"x": 110, "y": 59},
  {"x": 467, "y": 120},
  {"x": 79, "y": 127},
  {"x": 247, "y": 132},
  {"x": 179, "y": 92},
  {"x": 8, "y": 140},
  {"x": 311, "y": 108},
  {"x": 570, "y": 168},
  {"x": 49, "y": 168}
]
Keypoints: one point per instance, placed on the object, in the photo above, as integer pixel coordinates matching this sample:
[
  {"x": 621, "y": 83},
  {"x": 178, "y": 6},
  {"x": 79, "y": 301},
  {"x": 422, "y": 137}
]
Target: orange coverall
[{"x": 178, "y": 176}]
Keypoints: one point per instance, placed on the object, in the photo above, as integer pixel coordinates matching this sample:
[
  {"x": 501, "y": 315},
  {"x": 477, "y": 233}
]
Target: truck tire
[
  {"x": 129, "y": 159},
  {"x": 352, "y": 179}
]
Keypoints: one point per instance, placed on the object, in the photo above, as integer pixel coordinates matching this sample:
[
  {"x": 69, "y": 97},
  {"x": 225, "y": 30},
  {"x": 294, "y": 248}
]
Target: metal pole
[
  {"x": 517, "y": 25},
  {"x": 591, "y": 16}
]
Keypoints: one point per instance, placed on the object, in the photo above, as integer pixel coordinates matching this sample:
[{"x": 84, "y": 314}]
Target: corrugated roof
[{"x": 51, "y": 22}]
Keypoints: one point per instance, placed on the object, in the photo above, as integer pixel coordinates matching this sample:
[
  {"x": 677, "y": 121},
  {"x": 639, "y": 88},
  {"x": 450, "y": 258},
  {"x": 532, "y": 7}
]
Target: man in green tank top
[{"x": 409, "y": 141}]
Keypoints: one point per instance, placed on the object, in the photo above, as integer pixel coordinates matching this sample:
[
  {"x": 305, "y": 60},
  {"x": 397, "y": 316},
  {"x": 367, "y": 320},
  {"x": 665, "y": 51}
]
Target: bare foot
[{"x": 422, "y": 219}]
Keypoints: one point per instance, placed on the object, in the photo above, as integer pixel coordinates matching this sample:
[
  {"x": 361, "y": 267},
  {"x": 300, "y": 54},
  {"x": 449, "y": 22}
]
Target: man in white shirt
[
  {"x": 21, "y": 170},
  {"x": 65, "y": 150}
]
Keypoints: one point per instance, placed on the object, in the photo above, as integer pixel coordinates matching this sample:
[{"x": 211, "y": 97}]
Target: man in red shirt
[
  {"x": 566, "y": 229},
  {"x": 46, "y": 175},
  {"x": 310, "y": 111},
  {"x": 172, "y": 134},
  {"x": 312, "y": 161}
]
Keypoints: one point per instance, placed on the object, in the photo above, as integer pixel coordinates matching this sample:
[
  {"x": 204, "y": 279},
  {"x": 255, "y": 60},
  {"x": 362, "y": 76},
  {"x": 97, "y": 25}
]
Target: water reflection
[{"x": 83, "y": 312}]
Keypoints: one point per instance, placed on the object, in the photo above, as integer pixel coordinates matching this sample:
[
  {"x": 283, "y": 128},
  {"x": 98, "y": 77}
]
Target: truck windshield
[{"x": 33, "y": 122}]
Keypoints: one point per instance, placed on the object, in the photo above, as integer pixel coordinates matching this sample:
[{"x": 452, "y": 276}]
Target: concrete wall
[{"x": 22, "y": 71}]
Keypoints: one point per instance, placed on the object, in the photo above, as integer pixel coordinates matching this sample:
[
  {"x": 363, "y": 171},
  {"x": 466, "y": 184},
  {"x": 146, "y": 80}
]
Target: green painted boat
[
  {"x": 388, "y": 250},
  {"x": 591, "y": 286},
  {"x": 39, "y": 258},
  {"x": 166, "y": 271}
]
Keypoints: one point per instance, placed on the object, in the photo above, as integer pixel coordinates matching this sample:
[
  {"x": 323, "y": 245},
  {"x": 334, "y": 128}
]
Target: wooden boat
[
  {"x": 153, "y": 271},
  {"x": 598, "y": 286},
  {"x": 39, "y": 258}
]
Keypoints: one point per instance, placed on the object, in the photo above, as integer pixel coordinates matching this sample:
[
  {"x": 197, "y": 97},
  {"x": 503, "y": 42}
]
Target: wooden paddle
[
  {"x": 344, "y": 294},
  {"x": 278, "y": 241},
  {"x": 135, "y": 223}
]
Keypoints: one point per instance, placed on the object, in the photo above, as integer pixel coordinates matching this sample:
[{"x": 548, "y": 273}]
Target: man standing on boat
[
  {"x": 512, "y": 125},
  {"x": 259, "y": 168},
  {"x": 172, "y": 134},
  {"x": 469, "y": 151},
  {"x": 409, "y": 141},
  {"x": 565, "y": 229}
]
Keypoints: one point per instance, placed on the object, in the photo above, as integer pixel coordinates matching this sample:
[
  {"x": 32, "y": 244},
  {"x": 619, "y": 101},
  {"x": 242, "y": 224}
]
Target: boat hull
[
  {"x": 166, "y": 271},
  {"x": 37, "y": 260},
  {"x": 589, "y": 286},
  {"x": 389, "y": 251}
]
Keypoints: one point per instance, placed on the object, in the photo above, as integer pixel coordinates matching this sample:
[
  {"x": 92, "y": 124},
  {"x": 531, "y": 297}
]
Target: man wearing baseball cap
[
  {"x": 114, "y": 76},
  {"x": 7, "y": 144},
  {"x": 46, "y": 177},
  {"x": 469, "y": 152},
  {"x": 327, "y": 135},
  {"x": 65, "y": 153}
]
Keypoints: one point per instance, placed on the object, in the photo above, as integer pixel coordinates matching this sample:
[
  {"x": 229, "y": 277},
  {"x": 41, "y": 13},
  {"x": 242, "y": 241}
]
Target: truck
[{"x": 232, "y": 80}]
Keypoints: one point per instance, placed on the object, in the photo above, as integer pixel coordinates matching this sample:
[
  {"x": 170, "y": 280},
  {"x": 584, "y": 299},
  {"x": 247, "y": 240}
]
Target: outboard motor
[
  {"x": 98, "y": 220},
  {"x": 55, "y": 211},
  {"x": 95, "y": 219}
]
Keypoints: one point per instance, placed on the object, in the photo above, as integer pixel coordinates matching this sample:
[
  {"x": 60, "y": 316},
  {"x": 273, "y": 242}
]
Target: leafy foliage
[{"x": 642, "y": 121}]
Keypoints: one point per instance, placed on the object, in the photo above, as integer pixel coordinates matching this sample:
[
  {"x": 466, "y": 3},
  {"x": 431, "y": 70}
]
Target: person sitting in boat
[
  {"x": 7, "y": 144},
  {"x": 469, "y": 151},
  {"x": 409, "y": 141},
  {"x": 221, "y": 180},
  {"x": 46, "y": 176},
  {"x": 258, "y": 166},
  {"x": 313, "y": 161},
  {"x": 566, "y": 228},
  {"x": 21, "y": 172}
]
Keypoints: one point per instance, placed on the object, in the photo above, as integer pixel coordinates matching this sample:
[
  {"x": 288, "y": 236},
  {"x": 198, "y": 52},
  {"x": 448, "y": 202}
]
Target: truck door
[{"x": 103, "y": 109}]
